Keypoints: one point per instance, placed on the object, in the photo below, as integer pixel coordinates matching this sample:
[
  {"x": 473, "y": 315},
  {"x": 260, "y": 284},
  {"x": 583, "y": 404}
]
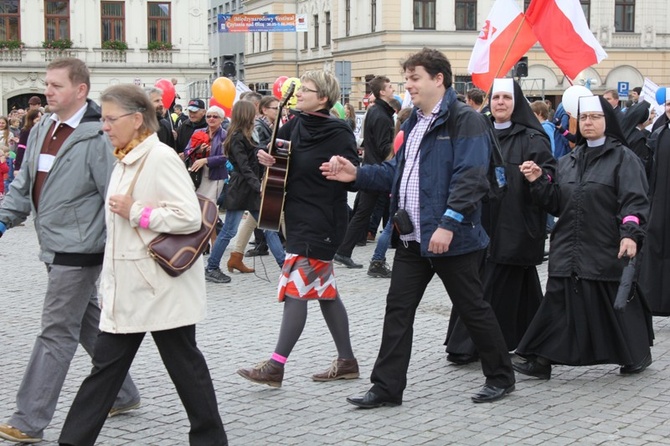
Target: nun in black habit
[
  {"x": 601, "y": 202},
  {"x": 633, "y": 126},
  {"x": 655, "y": 271},
  {"x": 516, "y": 225}
]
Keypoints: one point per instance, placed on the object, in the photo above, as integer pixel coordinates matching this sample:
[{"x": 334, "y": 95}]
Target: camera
[{"x": 402, "y": 222}]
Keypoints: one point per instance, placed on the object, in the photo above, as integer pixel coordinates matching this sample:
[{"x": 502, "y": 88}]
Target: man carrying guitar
[{"x": 315, "y": 216}]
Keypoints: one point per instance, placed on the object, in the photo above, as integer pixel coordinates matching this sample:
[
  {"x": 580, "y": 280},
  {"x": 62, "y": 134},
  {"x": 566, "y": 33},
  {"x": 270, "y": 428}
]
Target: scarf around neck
[{"x": 121, "y": 152}]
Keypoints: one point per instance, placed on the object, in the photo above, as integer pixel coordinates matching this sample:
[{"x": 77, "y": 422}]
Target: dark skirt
[
  {"x": 576, "y": 324},
  {"x": 514, "y": 293}
]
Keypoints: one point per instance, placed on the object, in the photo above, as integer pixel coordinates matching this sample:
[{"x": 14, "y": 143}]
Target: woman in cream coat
[{"x": 137, "y": 295}]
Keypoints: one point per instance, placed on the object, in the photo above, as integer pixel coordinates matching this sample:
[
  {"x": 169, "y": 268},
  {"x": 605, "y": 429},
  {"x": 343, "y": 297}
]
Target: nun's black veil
[{"x": 612, "y": 126}]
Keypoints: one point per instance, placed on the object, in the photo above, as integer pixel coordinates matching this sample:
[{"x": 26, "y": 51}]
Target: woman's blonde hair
[
  {"x": 326, "y": 86},
  {"x": 132, "y": 98}
]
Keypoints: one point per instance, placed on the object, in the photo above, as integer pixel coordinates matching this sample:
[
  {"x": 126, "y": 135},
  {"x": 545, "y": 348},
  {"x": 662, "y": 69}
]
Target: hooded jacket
[
  {"x": 70, "y": 223},
  {"x": 316, "y": 210}
]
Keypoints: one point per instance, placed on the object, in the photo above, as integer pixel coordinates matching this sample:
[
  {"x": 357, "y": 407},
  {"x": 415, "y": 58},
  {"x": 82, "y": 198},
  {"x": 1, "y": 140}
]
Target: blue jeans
[
  {"x": 383, "y": 242},
  {"x": 230, "y": 225}
]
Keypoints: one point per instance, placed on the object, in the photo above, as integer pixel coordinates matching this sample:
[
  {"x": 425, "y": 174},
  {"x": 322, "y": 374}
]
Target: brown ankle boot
[
  {"x": 339, "y": 369},
  {"x": 266, "y": 372},
  {"x": 235, "y": 263}
]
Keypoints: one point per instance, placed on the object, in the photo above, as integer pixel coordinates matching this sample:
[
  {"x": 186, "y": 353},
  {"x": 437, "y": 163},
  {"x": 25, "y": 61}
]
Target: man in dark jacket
[
  {"x": 437, "y": 181},
  {"x": 377, "y": 142},
  {"x": 196, "y": 120}
]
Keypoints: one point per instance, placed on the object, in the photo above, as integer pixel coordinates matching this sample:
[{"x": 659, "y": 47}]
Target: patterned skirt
[{"x": 306, "y": 279}]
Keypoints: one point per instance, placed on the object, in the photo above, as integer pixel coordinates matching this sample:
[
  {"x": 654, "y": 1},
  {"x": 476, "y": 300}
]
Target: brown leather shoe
[
  {"x": 235, "y": 263},
  {"x": 11, "y": 433},
  {"x": 267, "y": 372},
  {"x": 339, "y": 369}
]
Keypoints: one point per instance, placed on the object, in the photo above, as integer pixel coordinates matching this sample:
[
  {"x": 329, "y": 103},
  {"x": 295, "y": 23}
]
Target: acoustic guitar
[{"x": 273, "y": 189}]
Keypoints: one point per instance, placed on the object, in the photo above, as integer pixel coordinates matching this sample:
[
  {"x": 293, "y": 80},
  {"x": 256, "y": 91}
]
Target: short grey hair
[
  {"x": 218, "y": 110},
  {"x": 151, "y": 90}
]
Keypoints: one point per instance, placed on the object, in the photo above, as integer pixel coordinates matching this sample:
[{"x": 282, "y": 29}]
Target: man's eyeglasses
[
  {"x": 304, "y": 89},
  {"x": 592, "y": 117},
  {"x": 111, "y": 120},
  {"x": 213, "y": 117}
]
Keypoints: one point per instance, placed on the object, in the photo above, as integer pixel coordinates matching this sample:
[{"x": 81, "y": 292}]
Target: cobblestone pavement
[{"x": 579, "y": 405}]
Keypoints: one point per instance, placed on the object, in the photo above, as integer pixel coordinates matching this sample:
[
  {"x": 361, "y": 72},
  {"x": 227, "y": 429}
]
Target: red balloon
[
  {"x": 213, "y": 102},
  {"x": 276, "y": 87},
  {"x": 168, "y": 91}
]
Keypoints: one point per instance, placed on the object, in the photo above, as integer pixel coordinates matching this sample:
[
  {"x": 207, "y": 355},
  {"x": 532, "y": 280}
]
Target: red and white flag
[
  {"x": 561, "y": 28},
  {"x": 504, "y": 39}
]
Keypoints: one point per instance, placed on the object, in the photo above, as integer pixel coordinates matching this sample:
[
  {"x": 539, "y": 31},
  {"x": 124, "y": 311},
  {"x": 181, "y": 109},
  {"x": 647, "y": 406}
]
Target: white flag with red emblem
[
  {"x": 561, "y": 28},
  {"x": 504, "y": 39}
]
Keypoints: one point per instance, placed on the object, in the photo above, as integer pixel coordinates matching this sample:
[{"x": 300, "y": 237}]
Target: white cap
[
  {"x": 503, "y": 84},
  {"x": 590, "y": 104}
]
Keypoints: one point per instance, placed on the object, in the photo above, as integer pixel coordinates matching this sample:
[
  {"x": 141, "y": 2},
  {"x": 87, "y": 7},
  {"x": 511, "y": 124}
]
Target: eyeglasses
[
  {"x": 109, "y": 120},
  {"x": 213, "y": 117},
  {"x": 592, "y": 117},
  {"x": 304, "y": 89},
  {"x": 273, "y": 108}
]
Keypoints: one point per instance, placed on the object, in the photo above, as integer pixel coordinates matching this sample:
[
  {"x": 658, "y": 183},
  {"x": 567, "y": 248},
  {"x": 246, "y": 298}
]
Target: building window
[
  {"x": 624, "y": 16},
  {"x": 328, "y": 28},
  {"x": 113, "y": 21},
  {"x": 160, "y": 22},
  {"x": 424, "y": 14},
  {"x": 57, "y": 20},
  {"x": 586, "y": 7},
  {"x": 316, "y": 30},
  {"x": 305, "y": 40},
  {"x": 347, "y": 17},
  {"x": 10, "y": 20},
  {"x": 466, "y": 15},
  {"x": 373, "y": 15}
]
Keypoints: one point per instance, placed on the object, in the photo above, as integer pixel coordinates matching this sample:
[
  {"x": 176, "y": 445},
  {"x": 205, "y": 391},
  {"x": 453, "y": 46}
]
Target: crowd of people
[{"x": 124, "y": 172}]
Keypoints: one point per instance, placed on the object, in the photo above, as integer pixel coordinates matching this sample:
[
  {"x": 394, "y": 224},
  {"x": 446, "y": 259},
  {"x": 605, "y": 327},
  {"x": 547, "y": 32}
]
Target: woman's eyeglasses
[
  {"x": 304, "y": 89},
  {"x": 213, "y": 117},
  {"x": 110, "y": 120}
]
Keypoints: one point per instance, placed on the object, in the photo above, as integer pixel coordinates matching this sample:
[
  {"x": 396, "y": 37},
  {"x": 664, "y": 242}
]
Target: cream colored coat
[{"x": 137, "y": 295}]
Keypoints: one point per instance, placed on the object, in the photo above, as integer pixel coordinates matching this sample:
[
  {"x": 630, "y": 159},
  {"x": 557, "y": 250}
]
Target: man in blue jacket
[{"x": 437, "y": 181}]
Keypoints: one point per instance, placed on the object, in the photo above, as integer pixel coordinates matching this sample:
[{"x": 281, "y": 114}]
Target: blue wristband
[{"x": 454, "y": 215}]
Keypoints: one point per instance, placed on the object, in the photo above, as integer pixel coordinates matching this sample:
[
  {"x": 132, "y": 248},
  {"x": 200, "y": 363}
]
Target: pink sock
[{"x": 279, "y": 358}]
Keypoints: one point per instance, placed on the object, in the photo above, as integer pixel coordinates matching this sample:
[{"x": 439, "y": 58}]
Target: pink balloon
[
  {"x": 276, "y": 87},
  {"x": 168, "y": 91}
]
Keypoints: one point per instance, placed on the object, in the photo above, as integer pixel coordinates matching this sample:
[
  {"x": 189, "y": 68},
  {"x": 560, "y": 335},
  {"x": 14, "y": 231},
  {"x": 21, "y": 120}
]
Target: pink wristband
[
  {"x": 631, "y": 218},
  {"x": 144, "y": 219},
  {"x": 549, "y": 177}
]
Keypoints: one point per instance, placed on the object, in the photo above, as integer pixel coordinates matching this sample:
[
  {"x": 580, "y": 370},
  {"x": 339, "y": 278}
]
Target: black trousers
[
  {"x": 460, "y": 276},
  {"x": 358, "y": 225},
  {"x": 114, "y": 353}
]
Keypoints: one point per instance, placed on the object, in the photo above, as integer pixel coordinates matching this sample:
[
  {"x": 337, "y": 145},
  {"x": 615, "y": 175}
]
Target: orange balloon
[{"x": 223, "y": 90}]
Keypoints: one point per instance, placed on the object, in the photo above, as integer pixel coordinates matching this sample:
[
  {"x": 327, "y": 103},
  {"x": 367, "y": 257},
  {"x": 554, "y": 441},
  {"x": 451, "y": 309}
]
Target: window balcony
[
  {"x": 11, "y": 55},
  {"x": 160, "y": 56},
  {"x": 50, "y": 54},
  {"x": 113, "y": 56}
]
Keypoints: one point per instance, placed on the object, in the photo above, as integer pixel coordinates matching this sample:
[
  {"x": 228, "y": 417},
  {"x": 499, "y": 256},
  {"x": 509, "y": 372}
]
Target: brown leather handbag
[{"x": 176, "y": 253}]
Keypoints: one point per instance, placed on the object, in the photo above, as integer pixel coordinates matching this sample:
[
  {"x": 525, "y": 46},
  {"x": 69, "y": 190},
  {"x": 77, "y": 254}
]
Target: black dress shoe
[
  {"x": 346, "y": 261},
  {"x": 533, "y": 368},
  {"x": 636, "y": 368},
  {"x": 462, "y": 358},
  {"x": 371, "y": 401},
  {"x": 489, "y": 393}
]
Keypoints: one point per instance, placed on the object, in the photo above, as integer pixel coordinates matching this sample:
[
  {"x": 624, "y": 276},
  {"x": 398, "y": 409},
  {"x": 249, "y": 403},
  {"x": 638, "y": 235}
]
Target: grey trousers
[{"x": 70, "y": 316}]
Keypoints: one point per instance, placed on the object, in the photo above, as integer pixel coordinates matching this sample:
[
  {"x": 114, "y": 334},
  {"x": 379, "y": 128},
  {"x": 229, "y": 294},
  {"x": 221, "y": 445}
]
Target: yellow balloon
[{"x": 284, "y": 88}]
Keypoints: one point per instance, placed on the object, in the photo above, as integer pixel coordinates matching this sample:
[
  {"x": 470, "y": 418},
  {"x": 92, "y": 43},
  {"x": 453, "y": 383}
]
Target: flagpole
[{"x": 509, "y": 48}]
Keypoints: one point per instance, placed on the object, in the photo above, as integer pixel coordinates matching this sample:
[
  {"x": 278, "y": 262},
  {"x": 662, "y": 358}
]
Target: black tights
[{"x": 295, "y": 316}]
